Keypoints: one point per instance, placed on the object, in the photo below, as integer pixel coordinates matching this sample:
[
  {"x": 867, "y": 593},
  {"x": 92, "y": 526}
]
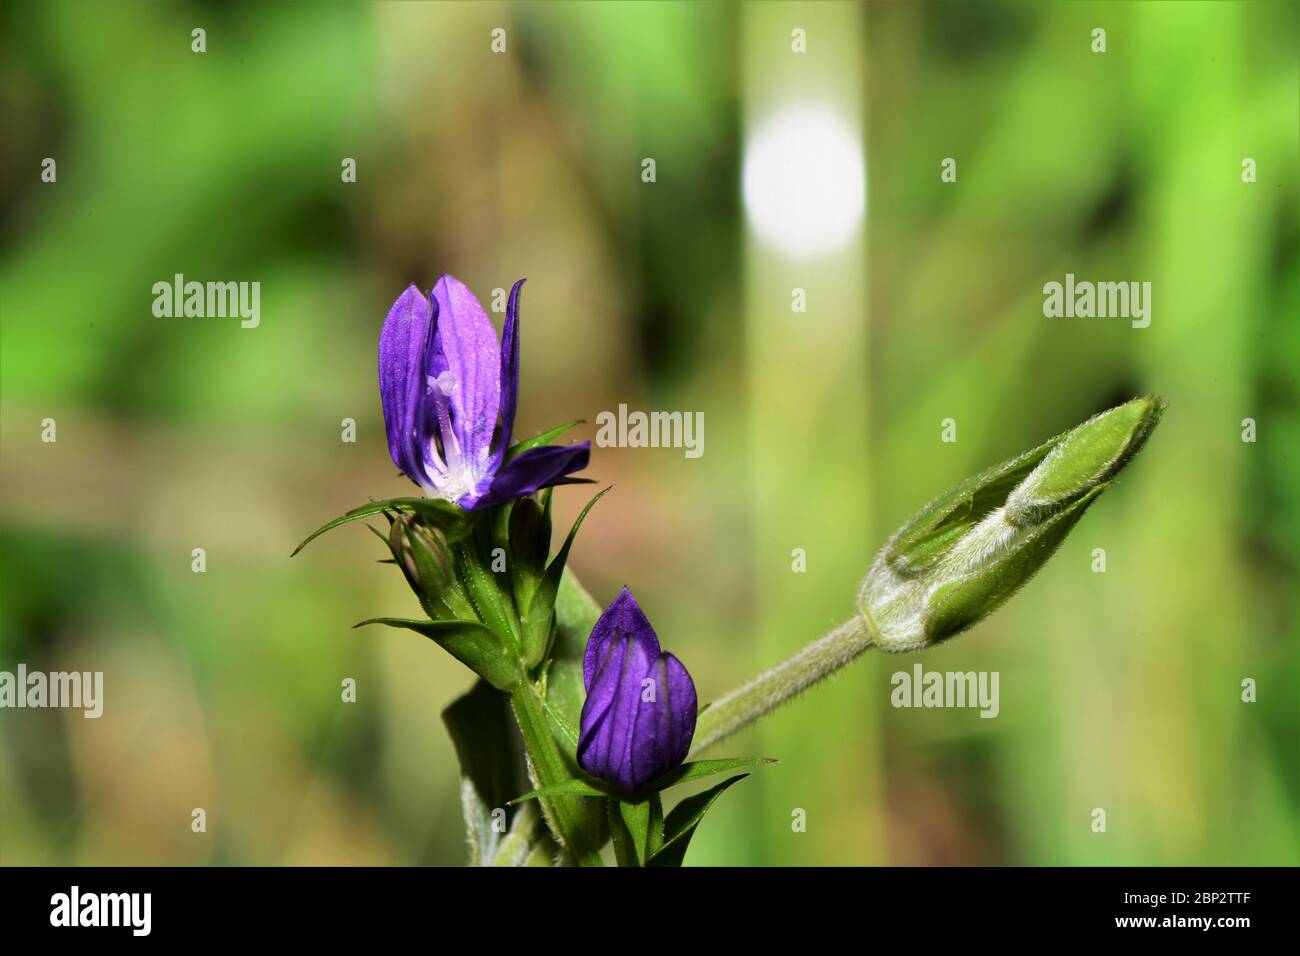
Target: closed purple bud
[{"x": 639, "y": 716}]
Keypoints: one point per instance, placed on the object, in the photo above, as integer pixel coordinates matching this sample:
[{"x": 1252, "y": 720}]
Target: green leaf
[
  {"x": 472, "y": 644},
  {"x": 537, "y": 623},
  {"x": 636, "y": 817},
  {"x": 528, "y": 842},
  {"x": 566, "y": 732},
  {"x": 655, "y": 832},
  {"x": 624, "y": 843},
  {"x": 682, "y": 822},
  {"x": 546, "y": 852},
  {"x": 543, "y": 438},
  {"x": 576, "y": 613},
  {"x": 698, "y": 769},
  {"x": 491, "y": 770},
  {"x": 573, "y": 787},
  {"x": 687, "y": 772},
  {"x": 441, "y": 514}
]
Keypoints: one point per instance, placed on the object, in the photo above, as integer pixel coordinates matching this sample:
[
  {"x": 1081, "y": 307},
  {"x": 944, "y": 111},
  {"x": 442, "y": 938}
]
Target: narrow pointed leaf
[
  {"x": 683, "y": 821},
  {"x": 572, "y": 787},
  {"x": 698, "y": 769},
  {"x": 439, "y": 513},
  {"x": 636, "y": 817},
  {"x": 537, "y": 624},
  {"x": 528, "y": 842},
  {"x": 472, "y": 644},
  {"x": 576, "y": 613},
  {"x": 544, "y": 438},
  {"x": 621, "y": 837},
  {"x": 655, "y": 834}
]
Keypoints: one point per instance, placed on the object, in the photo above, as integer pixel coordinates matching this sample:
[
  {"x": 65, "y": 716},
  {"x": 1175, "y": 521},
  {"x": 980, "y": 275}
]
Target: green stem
[
  {"x": 548, "y": 763},
  {"x": 773, "y": 687}
]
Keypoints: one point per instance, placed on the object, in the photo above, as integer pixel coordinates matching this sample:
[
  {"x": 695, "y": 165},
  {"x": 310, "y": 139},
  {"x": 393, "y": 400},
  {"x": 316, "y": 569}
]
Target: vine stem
[{"x": 786, "y": 680}]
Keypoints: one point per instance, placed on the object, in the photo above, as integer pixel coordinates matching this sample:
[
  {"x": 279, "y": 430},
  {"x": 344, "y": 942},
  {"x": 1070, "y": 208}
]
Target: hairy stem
[{"x": 773, "y": 687}]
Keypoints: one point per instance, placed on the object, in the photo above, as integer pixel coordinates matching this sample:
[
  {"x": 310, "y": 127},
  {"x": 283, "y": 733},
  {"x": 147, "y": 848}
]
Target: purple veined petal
[
  {"x": 665, "y": 721},
  {"x": 435, "y": 362},
  {"x": 467, "y": 343},
  {"x": 609, "y": 715},
  {"x": 534, "y": 469},
  {"x": 509, "y": 374},
  {"x": 403, "y": 343},
  {"x": 623, "y": 617},
  {"x": 601, "y": 697},
  {"x": 683, "y": 708}
]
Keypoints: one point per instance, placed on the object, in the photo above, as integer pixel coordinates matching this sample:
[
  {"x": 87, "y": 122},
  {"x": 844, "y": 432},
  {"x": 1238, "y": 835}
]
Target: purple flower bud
[
  {"x": 640, "y": 711},
  {"x": 448, "y": 390}
]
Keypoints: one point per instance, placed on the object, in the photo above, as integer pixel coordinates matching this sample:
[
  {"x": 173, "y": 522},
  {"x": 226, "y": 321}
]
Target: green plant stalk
[
  {"x": 813, "y": 663},
  {"x": 548, "y": 764}
]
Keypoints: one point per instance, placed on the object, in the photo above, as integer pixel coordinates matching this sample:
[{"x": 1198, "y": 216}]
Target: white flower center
[{"x": 451, "y": 475}]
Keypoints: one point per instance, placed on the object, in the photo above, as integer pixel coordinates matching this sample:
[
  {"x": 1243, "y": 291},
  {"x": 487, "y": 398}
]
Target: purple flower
[
  {"x": 449, "y": 389},
  {"x": 639, "y": 716}
]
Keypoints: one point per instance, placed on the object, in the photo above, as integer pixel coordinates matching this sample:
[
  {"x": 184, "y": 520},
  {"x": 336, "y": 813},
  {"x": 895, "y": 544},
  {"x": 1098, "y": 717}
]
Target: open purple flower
[
  {"x": 449, "y": 389},
  {"x": 640, "y": 711}
]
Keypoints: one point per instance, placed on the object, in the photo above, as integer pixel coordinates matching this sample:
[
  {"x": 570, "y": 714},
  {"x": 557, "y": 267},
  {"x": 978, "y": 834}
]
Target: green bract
[{"x": 970, "y": 549}]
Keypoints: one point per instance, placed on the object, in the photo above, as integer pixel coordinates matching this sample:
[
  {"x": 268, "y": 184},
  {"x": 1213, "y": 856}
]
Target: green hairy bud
[
  {"x": 970, "y": 549},
  {"x": 956, "y": 560}
]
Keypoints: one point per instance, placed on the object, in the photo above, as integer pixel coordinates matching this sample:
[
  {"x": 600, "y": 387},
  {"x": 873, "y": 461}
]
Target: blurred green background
[{"x": 1119, "y": 690}]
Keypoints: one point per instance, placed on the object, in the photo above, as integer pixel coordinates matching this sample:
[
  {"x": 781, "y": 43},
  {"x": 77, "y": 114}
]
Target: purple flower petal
[
  {"x": 623, "y": 616},
  {"x": 683, "y": 708},
  {"x": 534, "y": 469},
  {"x": 403, "y": 343},
  {"x": 610, "y": 711},
  {"x": 509, "y": 374},
  {"x": 467, "y": 343},
  {"x": 665, "y": 720}
]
